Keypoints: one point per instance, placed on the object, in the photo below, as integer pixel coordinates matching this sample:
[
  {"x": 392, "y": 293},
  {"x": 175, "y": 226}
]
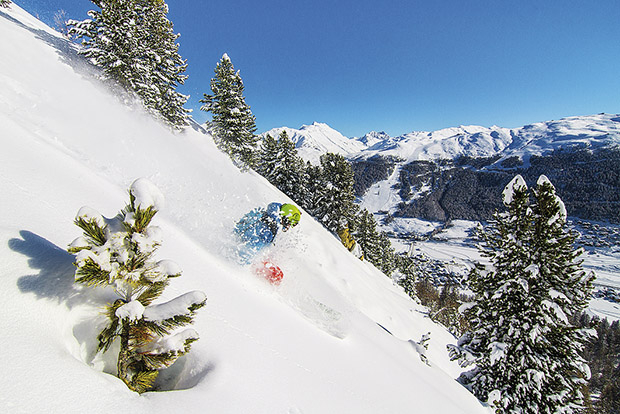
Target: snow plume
[
  {"x": 146, "y": 194},
  {"x": 516, "y": 184}
]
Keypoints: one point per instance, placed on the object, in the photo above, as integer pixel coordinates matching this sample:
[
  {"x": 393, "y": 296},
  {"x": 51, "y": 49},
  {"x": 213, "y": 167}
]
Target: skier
[{"x": 258, "y": 228}]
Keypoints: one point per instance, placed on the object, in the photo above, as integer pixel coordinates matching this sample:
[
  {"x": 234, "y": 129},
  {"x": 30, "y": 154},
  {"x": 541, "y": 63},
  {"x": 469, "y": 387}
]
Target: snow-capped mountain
[
  {"x": 477, "y": 162},
  {"x": 373, "y": 138},
  {"x": 314, "y": 140},
  {"x": 446, "y": 143},
  {"x": 593, "y": 131},
  {"x": 335, "y": 336}
]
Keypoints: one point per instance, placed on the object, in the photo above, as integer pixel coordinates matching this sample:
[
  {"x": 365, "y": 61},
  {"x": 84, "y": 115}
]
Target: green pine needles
[
  {"x": 233, "y": 125},
  {"x": 526, "y": 352},
  {"x": 119, "y": 253},
  {"x": 375, "y": 244}
]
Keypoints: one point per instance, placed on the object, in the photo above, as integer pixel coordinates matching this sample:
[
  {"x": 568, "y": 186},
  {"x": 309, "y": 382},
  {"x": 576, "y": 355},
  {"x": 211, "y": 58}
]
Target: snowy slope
[
  {"x": 311, "y": 345},
  {"x": 314, "y": 140}
]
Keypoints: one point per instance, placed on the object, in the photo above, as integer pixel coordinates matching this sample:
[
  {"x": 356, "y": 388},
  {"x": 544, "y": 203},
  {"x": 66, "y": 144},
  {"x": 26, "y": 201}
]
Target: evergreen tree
[
  {"x": 315, "y": 189},
  {"x": 408, "y": 272},
  {"x": 166, "y": 67},
  {"x": 232, "y": 125},
  {"x": 566, "y": 288},
  {"x": 281, "y": 165},
  {"x": 269, "y": 157},
  {"x": 337, "y": 208},
  {"x": 603, "y": 356},
  {"x": 375, "y": 245},
  {"x": 5, "y": 3},
  {"x": 291, "y": 170},
  {"x": 134, "y": 43},
  {"x": 119, "y": 253},
  {"x": 387, "y": 262},
  {"x": 367, "y": 235},
  {"x": 519, "y": 328}
]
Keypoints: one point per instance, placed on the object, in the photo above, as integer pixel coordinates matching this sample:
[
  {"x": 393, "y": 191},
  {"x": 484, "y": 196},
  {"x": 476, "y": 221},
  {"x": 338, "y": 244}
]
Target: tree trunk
[{"x": 124, "y": 355}]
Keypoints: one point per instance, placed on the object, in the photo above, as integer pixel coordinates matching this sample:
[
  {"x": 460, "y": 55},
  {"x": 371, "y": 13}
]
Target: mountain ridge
[
  {"x": 454, "y": 142},
  {"x": 457, "y": 172}
]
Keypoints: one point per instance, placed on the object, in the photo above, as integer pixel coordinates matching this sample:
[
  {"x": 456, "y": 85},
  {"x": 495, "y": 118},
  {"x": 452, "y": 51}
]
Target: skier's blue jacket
[{"x": 257, "y": 230}]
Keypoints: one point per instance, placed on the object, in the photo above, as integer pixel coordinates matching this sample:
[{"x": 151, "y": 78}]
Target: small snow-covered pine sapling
[
  {"x": 119, "y": 253},
  {"x": 5, "y": 3}
]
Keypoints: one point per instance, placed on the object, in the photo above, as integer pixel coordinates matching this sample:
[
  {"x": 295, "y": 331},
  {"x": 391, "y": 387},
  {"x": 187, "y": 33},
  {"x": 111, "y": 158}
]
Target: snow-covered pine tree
[
  {"x": 567, "y": 289},
  {"x": 119, "y": 253},
  {"x": 166, "y": 66},
  {"x": 315, "y": 189},
  {"x": 514, "y": 339},
  {"x": 506, "y": 325},
  {"x": 232, "y": 124},
  {"x": 107, "y": 41},
  {"x": 5, "y": 3},
  {"x": 337, "y": 208},
  {"x": 134, "y": 43},
  {"x": 286, "y": 168},
  {"x": 269, "y": 157},
  {"x": 375, "y": 245},
  {"x": 388, "y": 256},
  {"x": 367, "y": 235}
]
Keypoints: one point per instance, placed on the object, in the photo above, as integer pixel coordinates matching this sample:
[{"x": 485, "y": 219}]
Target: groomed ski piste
[{"x": 336, "y": 336}]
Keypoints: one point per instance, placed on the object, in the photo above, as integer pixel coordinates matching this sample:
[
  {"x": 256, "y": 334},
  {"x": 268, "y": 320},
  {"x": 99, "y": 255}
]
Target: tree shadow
[
  {"x": 55, "y": 277},
  {"x": 54, "y": 280}
]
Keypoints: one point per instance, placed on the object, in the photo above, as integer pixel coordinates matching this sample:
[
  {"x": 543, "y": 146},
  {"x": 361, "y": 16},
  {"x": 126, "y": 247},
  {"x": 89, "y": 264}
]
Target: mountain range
[
  {"x": 459, "y": 173},
  {"x": 594, "y": 131}
]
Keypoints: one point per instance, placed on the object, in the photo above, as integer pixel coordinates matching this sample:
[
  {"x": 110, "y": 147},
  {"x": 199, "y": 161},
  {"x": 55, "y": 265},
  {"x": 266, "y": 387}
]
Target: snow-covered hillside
[
  {"x": 314, "y": 140},
  {"x": 335, "y": 336}
]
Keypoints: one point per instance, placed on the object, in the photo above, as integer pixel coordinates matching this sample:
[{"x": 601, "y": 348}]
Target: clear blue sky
[{"x": 399, "y": 65}]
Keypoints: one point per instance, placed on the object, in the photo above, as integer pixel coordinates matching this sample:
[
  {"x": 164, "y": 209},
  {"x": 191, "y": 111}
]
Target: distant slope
[{"x": 318, "y": 343}]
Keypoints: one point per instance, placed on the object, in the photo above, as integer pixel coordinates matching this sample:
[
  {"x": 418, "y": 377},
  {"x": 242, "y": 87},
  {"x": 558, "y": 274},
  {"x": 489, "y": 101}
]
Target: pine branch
[
  {"x": 91, "y": 274},
  {"x": 152, "y": 292},
  {"x": 94, "y": 233},
  {"x": 143, "y": 381},
  {"x": 159, "y": 361}
]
